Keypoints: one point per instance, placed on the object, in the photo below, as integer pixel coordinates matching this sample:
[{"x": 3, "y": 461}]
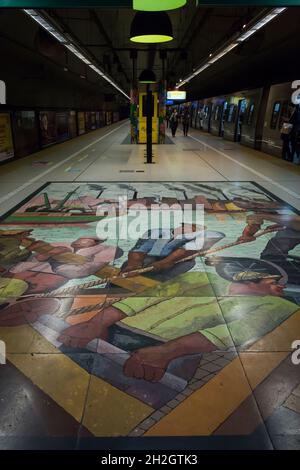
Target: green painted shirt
[
  {"x": 187, "y": 305},
  {"x": 11, "y": 289}
]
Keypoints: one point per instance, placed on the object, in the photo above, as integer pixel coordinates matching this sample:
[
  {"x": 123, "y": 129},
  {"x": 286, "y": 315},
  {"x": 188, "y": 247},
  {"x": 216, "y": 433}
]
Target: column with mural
[
  {"x": 162, "y": 94},
  {"x": 134, "y": 132}
]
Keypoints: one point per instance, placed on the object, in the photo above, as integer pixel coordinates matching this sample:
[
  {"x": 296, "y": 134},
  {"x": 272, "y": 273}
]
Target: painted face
[
  {"x": 271, "y": 287},
  {"x": 84, "y": 243},
  {"x": 264, "y": 287}
]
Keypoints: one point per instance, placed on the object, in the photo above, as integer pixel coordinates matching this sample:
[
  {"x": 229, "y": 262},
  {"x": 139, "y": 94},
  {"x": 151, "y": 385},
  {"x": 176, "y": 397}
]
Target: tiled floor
[{"x": 200, "y": 350}]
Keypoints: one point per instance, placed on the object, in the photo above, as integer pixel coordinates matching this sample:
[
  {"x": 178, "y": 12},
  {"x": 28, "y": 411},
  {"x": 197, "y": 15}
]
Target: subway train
[{"x": 252, "y": 117}]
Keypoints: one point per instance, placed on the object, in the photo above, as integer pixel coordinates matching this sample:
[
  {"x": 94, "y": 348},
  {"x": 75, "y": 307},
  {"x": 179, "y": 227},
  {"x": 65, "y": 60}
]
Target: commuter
[
  {"x": 174, "y": 122},
  {"x": 286, "y": 131},
  {"x": 185, "y": 122},
  {"x": 295, "y": 134}
]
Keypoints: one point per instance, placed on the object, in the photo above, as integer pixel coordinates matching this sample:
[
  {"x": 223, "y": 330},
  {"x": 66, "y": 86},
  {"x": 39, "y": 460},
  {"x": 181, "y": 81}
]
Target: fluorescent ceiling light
[
  {"x": 98, "y": 71},
  {"x": 243, "y": 37},
  {"x": 66, "y": 40},
  {"x": 47, "y": 26}
]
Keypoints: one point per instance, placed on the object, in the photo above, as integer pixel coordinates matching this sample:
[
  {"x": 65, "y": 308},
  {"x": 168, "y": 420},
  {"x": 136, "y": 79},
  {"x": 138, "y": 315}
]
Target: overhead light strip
[
  {"x": 71, "y": 47},
  {"x": 238, "y": 40}
]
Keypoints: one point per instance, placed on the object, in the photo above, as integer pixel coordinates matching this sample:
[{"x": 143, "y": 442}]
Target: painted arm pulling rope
[{"x": 87, "y": 285}]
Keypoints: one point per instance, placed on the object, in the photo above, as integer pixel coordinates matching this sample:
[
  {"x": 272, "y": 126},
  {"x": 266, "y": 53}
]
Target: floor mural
[{"x": 176, "y": 330}]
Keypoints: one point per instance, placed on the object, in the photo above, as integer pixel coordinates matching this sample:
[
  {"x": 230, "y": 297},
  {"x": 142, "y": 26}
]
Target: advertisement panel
[
  {"x": 108, "y": 118},
  {"x": 62, "y": 126},
  {"x": 97, "y": 119},
  {"x": 81, "y": 122},
  {"x": 72, "y": 124},
  {"x": 47, "y": 128},
  {"x": 102, "y": 118},
  {"x": 25, "y": 133},
  {"x": 116, "y": 116},
  {"x": 93, "y": 120},
  {"x": 6, "y": 140}
]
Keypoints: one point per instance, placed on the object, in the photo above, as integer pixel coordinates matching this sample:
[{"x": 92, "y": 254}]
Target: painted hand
[
  {"x": 162, "y": 265},
  {"x": 78, "y": 336},
  {"x": 148, "y": 363},
  {"x": 28, "y": 311},
  {"x": 246, "y": 238},
  {"x": 128, "y": 268}
]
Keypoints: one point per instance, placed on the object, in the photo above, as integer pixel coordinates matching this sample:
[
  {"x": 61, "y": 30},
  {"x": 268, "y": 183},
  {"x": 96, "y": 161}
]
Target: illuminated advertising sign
[{"x": 176, "y": 95}]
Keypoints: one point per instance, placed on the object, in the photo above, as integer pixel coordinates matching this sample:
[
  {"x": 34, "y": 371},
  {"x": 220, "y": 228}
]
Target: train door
[
  {"x": 242, "y": 106},
  {"x": 207, "y": 117},
  {"x": 223, "y": 116},
  {"x": 199, "y": 117}
]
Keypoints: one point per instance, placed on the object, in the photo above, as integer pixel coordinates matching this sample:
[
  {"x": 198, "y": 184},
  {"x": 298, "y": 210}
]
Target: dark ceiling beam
[
  {"x": 107, "y": 38},
  {"x": 151, "y": 57},
  {"x": 195, "y": 25}
]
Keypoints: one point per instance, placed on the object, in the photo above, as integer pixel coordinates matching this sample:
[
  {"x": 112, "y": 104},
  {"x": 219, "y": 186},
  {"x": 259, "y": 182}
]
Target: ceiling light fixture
[
  {"x": 157, "y": 5},
  {"x": 67, "y": 41},
  {"x": 252, "y": 28},
  {"x": 151, "y": 27},
  {"x": 147, "y": 76}
]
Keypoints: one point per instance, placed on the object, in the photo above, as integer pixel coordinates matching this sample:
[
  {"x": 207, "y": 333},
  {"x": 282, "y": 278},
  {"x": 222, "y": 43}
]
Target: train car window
[
  {"x": 275, "y": 114},
  {"x": 216, "y": 109},
  {"x": 231, "y": 113},
  {"x": 217, "y": 114},
  {"x": 250, "y": 116}
]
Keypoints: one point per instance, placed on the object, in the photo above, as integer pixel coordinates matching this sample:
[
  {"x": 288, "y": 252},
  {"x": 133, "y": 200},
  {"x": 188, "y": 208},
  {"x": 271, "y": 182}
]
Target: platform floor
[{"x": 196, "y": 354}]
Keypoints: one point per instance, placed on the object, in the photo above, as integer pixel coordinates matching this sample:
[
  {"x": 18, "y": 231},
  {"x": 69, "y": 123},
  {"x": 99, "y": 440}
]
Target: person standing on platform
[
  {"x": 286, "y": 135},
  {"x": 186, "y": 122},
  {"x": 295, "y": 134},
  {"x": 174, "y": 122}
]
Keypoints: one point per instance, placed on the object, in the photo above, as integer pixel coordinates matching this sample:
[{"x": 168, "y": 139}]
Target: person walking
[
  {"x": 186, "y": 122},
  {"x": 286, "y": 135},
  {"x": 174, "y": 122}
]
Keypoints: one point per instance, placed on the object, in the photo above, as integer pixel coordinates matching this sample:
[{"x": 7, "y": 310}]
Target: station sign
[{"x": 176, "y": 95}]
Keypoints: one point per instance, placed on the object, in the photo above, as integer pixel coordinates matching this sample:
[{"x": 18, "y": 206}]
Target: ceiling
[{"x": 198, "y": 31}]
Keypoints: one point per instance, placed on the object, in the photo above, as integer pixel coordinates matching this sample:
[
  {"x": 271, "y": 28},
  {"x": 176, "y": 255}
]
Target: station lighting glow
[
  {"x": 157, "y": 5},
  {"x": 63, "y": 39},
  {"x": 250, "y": 30},
  {"x": 150, "y": 27}
]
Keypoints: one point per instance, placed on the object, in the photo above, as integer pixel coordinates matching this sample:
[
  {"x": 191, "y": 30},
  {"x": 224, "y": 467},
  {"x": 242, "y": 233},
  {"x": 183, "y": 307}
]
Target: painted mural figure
[
  {"x": 150, "y": 333},
  {"x": 188, "y": 319},
  {"x": 50, "y": 266},
  {"x": 162, "y": 248},
  {"x": 278, "y": 248}
]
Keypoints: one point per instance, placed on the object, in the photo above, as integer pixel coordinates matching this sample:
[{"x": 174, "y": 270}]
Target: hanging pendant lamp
[
  {"x": 147, "y": 76},
  {"x": 151, "y": 27},
  {"x": 157, "y": 5}
]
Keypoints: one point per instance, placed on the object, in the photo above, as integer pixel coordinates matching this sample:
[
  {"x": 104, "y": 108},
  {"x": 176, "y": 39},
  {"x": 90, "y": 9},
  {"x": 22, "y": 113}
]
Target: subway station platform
[{"x": 196, "y": 354}]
